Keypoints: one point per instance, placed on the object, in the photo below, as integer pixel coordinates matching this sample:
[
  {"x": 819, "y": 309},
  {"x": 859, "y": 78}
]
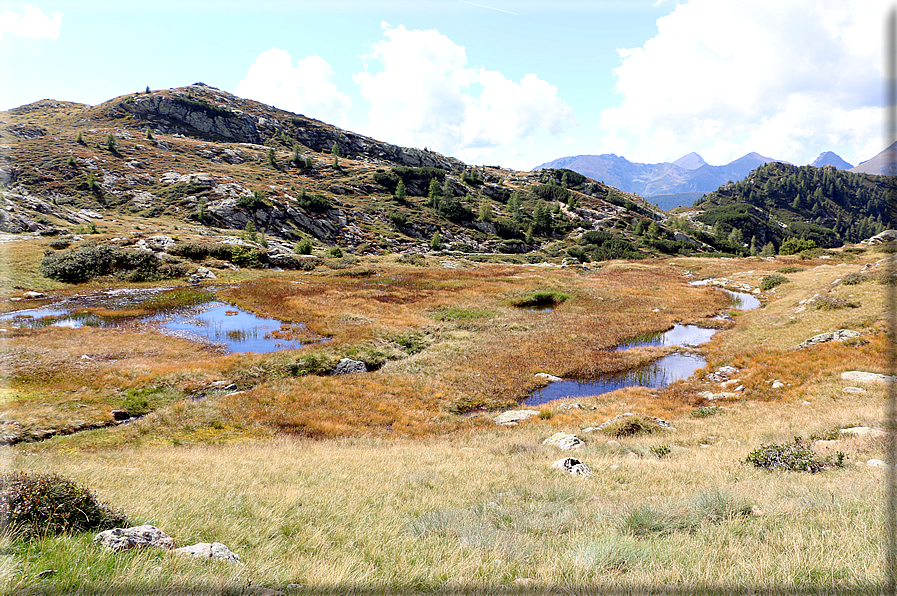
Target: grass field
[{"x": 398, "y": 480}]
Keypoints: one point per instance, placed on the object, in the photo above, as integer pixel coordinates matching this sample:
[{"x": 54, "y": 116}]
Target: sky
[{"x": 514, "y": 83}]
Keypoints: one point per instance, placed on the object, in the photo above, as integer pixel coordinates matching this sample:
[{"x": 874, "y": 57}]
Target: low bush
[
  {"x": 835, "y": 303},
  {"x": 791, "y": 269},
  {"x": 704, "y": 411},
  {"x": 86, "y": 262},
  {"x": 768, "y": 282},
  {"x": 631, "y": 426},
  {"x": 659, "y": 451},
  {"x": 793, "y": 457},
  {"x": 45, "y": 504},
  {"x": 851, "y": 279}
]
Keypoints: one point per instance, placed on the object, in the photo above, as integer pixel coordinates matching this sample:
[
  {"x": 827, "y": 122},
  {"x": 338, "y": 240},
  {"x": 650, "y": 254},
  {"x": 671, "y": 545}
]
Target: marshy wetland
[{"x": 398, "y": 479}]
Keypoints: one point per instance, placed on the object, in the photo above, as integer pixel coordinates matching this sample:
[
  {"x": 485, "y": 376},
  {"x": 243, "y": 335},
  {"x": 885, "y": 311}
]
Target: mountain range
[{"x": 687, "y": 179}]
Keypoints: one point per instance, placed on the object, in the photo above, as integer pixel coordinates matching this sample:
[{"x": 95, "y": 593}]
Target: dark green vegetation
[
  {"x": 35, "y": 505},
  {"x": 797, "y": 456},
  {"x": 795, "y": 209}
]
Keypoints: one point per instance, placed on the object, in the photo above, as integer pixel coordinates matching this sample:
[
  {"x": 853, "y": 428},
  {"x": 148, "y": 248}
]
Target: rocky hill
[{"x": 219, "y": 166}]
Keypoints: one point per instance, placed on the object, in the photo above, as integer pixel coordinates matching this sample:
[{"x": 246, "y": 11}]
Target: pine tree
[
  {"x": 485, "y": 215},
  {"x": 401, "y": 193},
  {"x": 529, "y": 235},
  {"x": 434, "y": 193},
  {"x": 436, "y": 241}
]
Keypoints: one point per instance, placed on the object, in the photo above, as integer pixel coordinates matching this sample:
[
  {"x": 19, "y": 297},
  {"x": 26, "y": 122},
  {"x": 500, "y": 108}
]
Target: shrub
[
  {"x": 768, "y": 282},
  {"x": 631, "y": 426},
  {"x": 791, "y": 269},
  {"x": 41, "y": 504},
  {"x": 60, "y": 243},
  {"x": 793, "y": 457},
  {"x": 303, "y": 247},
  {"x": 792, "y": 246},
  {"x": 412, "y": 259},
  {"x": 835, "y": 303},
  {"x": 336, "y": 252},
  {"x": 853, "y": 278},
  {"x": 86, "y": 262}
]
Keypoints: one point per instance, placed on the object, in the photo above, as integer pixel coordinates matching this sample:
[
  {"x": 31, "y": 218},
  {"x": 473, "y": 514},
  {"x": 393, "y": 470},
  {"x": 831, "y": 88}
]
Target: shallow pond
[
  {"x": 658, "y": 374},
  {"x": 210, "y": 322},
  {"x": 679, "y": 335}
]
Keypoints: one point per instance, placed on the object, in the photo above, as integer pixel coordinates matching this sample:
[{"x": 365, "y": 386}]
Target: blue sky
[{"x": 500, "y": 82}]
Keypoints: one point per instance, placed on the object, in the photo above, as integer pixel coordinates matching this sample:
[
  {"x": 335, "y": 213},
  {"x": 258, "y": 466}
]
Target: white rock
[
  {"x": 514, "y": 416},
  {"x": 210, "y": 550},
  {"x": 877, "y": 463},
  {"x": 135, "y": 537},
  {"x": 572, "y": 466},
  {"x": 777, "y": 384},
  {"x": 547, "y": 378},
  {"x": 564, "y": 441},
  {"x": 862, "y": 431},
  {"x": 858, "y": 376},
  {"x": 853, "y": 390}
]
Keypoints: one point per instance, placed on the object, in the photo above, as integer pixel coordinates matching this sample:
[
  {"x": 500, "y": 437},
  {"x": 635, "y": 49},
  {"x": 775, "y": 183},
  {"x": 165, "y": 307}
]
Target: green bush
[
  {"x": 704, "y": 411},
  {"x": 303, "y": 247},
  {"x": 768, "y": 282},
  {"x": 792, "y": 246},
  {"x": 851, "y": 279},
  {"x": 46, "y": 504},
  {"x": 793, "y": 457},
  {"x": 336, "y": 252},
  {"x": 89, "y": 261},
  {"x": 791, "y": 269}
]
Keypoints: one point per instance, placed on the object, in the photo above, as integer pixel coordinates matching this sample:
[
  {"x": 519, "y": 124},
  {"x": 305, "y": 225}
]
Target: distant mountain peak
[
  {"x": 830, "y": 158},
  {"x": 690, "y": 161}
]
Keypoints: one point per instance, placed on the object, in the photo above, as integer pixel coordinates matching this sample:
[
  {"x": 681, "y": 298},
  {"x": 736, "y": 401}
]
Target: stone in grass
[
  {"x": 572, "y": 466},
  {"x": 853, "y": 390},
  {"x": 858, "y": 376},
  {"x": 547, "y": 378},
  {"x": 862, "y": 431},
  {"x": 210, "y": 550},
  {"x": 877, "y": 463},
  {"x": 512, "y": 417},
  {"x": 564, "y": 441},
  {"x": 135, "y": 537},
  {"x": 347, "y": 366}
]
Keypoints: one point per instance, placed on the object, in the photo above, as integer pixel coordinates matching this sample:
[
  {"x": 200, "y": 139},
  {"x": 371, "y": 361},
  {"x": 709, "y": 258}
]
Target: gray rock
[
  {"x": 853, "y": 390},
  {"x": 862, "y": 431},
  {"x": 839, "y": 335},
  {"x": 564, "y": 441},
  {"x": 512, "y": 417},
  {"x": 721, "y": 374},
  {"x": 572, "y": 466},
  {"x": 778, "y": 384},
  {"x": 348, "y": 366},
  {"x": 205, "y": 273},
  {"x": 858, "y": 376},
  {"x": 886, "y": 236},
  {"x": 210, "y": 550},
  {"x": 135, "y": 537}
]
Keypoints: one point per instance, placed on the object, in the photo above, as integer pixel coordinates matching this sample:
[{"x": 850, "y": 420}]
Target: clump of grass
[
  {"x": 791, "y": 269},
  {"x": 141, "y": 401},
  {"x": 613, "y": 553},
  {"x": 854, "y": 278},
  {"x": 835, "y": 303},
  {"x": 540, "y": 298},
  {"x": 413, "y": 342},
  {"x": 659, "y": 451},
  {"x": 793, "y": 457},
  {"x": 716, "y": 506},
  {"x": 412, "y": 259},
  {"x": 458, "y": 313},
  {"x": 631, "y": 426},
  {"x": 545, "y": 414},
  {"x": 645, "y": 520},
  {"x": 704, "y": 411},
  {"x": 175, "y": 299},
  {"x": 768, "y": 282},
  {"x": 44, "y": 504}
]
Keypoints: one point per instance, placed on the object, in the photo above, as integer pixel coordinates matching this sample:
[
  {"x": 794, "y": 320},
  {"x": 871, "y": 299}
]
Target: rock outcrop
[
  {"x": 136, "y": 537},
  {"x": 210, "y": 550}
]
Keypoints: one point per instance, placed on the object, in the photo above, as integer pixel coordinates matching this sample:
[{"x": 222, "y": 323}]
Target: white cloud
[
  {"x": 32, "y": 23},
  {"x": 306, "y": 88},
  {"x": 424, "y": 94},
  {"x": 725, "y": 77}
]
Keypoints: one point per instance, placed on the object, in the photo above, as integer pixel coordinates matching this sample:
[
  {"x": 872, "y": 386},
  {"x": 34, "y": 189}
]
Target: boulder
[
  {"x": 572, "y": 466},
  {"x": 853, "y": 390},
  {"x": 135, "y": 537},
  {"x": 877, "y": 463},
  {"x": 512, "y": 417},
  {"x": 886, "y": 236},
  {"x": 347, "y": 366},
  {"x": 564, "y": 441},
  {"x": 839, "y": 335},
  {"x": 210, "y": 550},
  {"x": 547, "y": 378},
  {"x": 857, "y": 376},
  {"x": 778, "y": 384},
  {"x": 862, "y": 431}
]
